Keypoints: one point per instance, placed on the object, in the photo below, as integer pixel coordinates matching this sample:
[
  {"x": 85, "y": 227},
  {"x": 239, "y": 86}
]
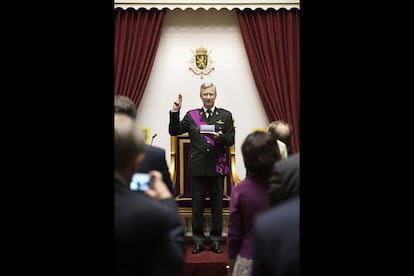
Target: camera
[{"x": 140, "y": 182}]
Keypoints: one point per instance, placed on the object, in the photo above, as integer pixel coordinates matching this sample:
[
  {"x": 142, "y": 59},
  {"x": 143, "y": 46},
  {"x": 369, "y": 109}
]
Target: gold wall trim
[{"x": 208, "y": 4}]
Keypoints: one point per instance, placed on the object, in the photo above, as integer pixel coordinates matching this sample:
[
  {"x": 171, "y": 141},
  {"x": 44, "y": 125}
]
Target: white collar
[{"x": 212, "y": 109}]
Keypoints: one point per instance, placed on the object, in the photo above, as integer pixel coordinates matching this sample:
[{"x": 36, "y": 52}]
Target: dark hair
[
  {"x": 259, "y": 154},
  {"x": 123, "y": 104}
]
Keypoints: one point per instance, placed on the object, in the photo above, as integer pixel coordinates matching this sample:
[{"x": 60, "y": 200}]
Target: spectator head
[
  {"x": 129, "y": 144},
  {"x": 259, "y": 154},
  {"x": 123, "y": 104},
  {"x": 282, "y": 131}
]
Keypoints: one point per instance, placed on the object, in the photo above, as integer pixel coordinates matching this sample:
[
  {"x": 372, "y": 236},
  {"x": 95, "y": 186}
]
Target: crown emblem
[
  {"x": 201, "y": 62},
  {"x": 201, "y": 51}
]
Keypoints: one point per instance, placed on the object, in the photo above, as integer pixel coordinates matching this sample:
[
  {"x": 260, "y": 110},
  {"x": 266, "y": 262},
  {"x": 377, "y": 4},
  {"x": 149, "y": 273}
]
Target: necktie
[{"x": 209, "y": 112}]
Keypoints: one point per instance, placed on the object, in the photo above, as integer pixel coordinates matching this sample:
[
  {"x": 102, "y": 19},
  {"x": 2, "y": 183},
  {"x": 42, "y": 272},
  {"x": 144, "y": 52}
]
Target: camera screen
[{"x": 140, "y": 182}]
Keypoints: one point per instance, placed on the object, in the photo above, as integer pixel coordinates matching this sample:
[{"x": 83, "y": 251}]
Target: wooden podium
[{"x": 180, "y": 177}]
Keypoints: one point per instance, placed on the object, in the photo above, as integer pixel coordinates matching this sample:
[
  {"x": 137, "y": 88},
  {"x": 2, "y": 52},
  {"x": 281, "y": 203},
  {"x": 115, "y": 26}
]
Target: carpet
[{"x": 206, "y": 263}]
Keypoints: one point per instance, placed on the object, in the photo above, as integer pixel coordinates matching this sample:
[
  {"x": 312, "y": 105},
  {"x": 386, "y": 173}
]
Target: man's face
[{"x": 208, "y": 96}]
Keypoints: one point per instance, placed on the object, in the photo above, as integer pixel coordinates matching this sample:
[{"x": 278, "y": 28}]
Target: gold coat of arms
[{"x": 201, "y": 62}]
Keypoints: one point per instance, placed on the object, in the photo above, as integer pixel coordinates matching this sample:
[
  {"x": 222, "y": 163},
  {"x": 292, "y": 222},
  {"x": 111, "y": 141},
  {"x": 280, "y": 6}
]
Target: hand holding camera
[{"x": 158, "y": 189}]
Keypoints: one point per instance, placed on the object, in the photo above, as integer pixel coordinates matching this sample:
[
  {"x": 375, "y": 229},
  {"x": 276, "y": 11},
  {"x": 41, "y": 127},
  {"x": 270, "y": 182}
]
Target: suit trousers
[{"x": 215, "y": 186}]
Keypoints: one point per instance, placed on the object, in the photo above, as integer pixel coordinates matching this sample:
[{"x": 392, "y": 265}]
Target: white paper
[{"x": 207, "y": 128}]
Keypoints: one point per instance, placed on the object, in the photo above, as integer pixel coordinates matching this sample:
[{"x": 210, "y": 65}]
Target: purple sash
[{"x": 221, "y": 165}]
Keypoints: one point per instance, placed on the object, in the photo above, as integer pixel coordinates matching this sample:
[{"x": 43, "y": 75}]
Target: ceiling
[{"x": 207, "y": 4}]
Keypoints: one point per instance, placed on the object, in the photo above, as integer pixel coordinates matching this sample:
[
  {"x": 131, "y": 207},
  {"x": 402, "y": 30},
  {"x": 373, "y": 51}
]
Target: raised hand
[{"x": 177, "y": 103}]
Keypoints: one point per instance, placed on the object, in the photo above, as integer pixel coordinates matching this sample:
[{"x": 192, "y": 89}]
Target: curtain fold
[
  {"x": 271, "y": 39},
  {"x": 137, "y": 35}
]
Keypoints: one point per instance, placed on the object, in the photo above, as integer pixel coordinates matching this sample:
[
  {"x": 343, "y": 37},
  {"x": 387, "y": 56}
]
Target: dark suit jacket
[
  {"x": 284, "y": 182},
  {"x": 155, "y": 160},
  {"x": 149, "y": 236},
  {"x": 202, "y": 157},
  {"x": 276, "y": 243}
]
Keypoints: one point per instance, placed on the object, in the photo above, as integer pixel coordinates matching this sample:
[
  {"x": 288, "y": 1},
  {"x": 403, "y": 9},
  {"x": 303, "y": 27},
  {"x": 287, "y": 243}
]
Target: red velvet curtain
[
  {"x": 137, "y": 34},
  {"x": 271, "y": 39}
]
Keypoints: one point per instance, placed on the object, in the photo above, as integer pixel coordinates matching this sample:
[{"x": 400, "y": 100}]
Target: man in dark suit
[
  {"x": 155, "y": 160},
  {"x": 277, "y": 240},
  {"x": 276, "y": 233},
  {"x": 154, "y": 156},
  {"x": 284, "y": 182},
  {"x": 149, "y": 235},
  {"x": 207, "y": 166}
]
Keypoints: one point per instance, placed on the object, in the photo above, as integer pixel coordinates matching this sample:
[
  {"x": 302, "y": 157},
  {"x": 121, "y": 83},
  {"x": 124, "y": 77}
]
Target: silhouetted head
[{"x": 123, "y": 104}]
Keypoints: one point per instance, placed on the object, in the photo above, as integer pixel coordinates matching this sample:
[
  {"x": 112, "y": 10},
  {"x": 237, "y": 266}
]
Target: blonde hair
[{"x": 207, "y": 85}]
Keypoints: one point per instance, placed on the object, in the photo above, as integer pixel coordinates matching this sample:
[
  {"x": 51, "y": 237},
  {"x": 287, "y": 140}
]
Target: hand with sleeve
[
  {"x": 177, "y": 103},
  {"x": 159, "y": 189}
]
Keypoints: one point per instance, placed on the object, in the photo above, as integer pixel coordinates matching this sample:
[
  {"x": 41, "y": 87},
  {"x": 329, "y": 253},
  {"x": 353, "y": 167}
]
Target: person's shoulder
[
  {"x": 286, "y": 209},
  {"x": 292, "y": 161},
  {"x": 244, "y": 182},
  {"x": 222, "y": 110},
  {"x": 194, "y": 110},
  {"x": 146, "y": 203},
  {"x": 137, "y": 201},
  {"x": 239, "y": 186},
  {"x": 155, "y": 149}
]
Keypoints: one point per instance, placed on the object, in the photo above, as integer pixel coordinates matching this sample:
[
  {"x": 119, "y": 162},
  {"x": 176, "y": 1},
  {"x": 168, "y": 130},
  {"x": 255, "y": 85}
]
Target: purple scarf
[{"x": 221, "y": 165}]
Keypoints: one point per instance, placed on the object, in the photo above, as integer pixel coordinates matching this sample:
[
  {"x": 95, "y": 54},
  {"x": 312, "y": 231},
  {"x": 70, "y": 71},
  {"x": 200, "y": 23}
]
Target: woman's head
[{"x": 259, "y": 154}]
